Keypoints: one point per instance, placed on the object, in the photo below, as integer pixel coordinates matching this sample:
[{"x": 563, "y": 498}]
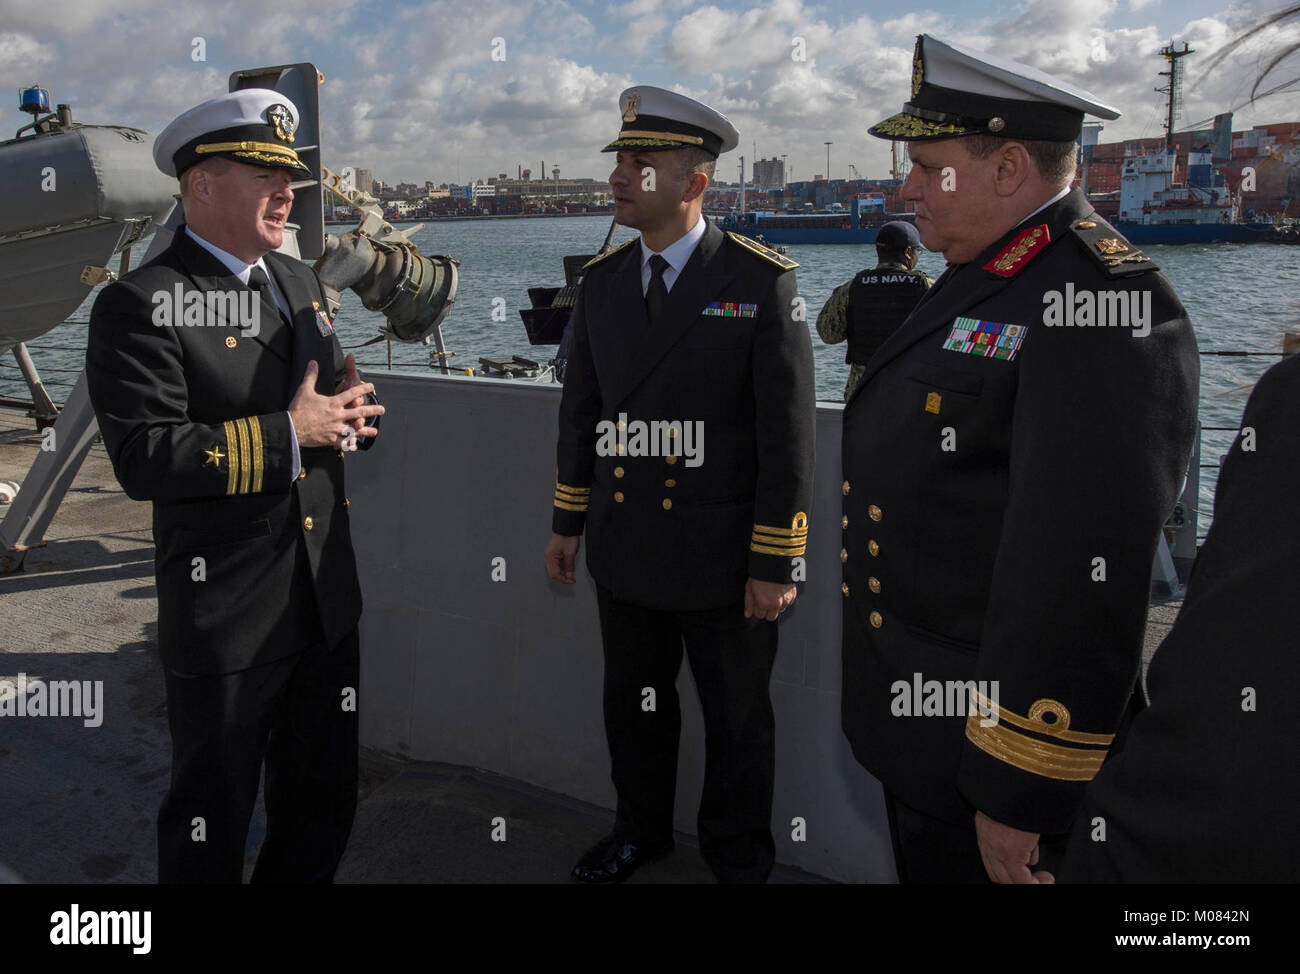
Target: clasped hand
[{"x": 336, "y": 420}]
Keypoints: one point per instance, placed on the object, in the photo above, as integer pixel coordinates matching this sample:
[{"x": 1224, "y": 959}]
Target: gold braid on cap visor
[
  {"x": 266, "y": 151},
  {"x": 660, "y": 137}
]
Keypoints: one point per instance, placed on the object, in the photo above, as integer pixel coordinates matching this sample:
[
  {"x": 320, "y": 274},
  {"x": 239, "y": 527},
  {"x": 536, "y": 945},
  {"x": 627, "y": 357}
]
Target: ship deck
[{"x": 80, "y": 806}]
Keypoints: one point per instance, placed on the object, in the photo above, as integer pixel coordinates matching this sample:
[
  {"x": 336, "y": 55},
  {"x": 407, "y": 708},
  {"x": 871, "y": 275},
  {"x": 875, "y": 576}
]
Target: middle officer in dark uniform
[
  {"x": 869, "y": 308},
  {"x": 684, "y": 332}
]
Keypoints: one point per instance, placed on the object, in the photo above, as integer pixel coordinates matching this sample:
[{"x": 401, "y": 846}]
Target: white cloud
[
  {"x": 20, "y": 52},
  {"x": 412, "y": 92}
]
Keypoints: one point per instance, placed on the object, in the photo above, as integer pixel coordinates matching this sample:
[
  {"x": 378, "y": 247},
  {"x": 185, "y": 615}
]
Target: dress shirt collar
[
  {"x": 233, "y": 263},
  {"x": 679, "y": 251}
]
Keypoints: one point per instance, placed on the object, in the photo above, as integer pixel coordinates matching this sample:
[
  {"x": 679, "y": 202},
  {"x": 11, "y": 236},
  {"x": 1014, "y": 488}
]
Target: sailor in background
[
  {"x": 237, "y": 434},
  {"x": 1009, "y": 460},
  {"x": 1206, "y": 787},
  {"x": 869, "y": 308},
  {"x": 688, "y": 325}
]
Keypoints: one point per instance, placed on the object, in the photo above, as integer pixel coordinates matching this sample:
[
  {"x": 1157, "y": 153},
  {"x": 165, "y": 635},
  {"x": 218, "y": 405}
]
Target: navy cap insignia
[
  {"x": 996, "y": 124},
  {"x": 282, "y": 119},
  {"x": 631, "y": 105}
]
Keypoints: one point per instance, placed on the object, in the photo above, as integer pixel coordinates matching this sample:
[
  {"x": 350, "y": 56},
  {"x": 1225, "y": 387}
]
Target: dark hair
[
  {"x": 1055, "y": 160},
  {"x": 692, "y": 159}
]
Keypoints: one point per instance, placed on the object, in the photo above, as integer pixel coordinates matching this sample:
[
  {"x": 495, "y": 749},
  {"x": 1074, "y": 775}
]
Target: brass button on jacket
[
  {"x": 302, "y": 473},
  {"x": 308, "y": 523},
  {"x": 844, "y": 521},
  {"x": 873, "y": 548},
  {"x": 874, "y": 513},
  {"x": 618, "y": 471},
  {"x": 618, "y": 497},
  {"x": 668, "y": 505},
  {"x": 845, "y": 488},
  {"x": 844, "y": 587},
  {"x": 877, "y": 620},
  {"x": 844, "y": 554},
  {"x": 874, "y": 585}
]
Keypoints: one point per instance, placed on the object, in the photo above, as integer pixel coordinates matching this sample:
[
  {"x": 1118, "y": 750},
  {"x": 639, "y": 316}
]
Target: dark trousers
[
  {"x": 289, "y": 714},
  {"x": 731, "y": 659},
  {"x": 933, "y": 850}
]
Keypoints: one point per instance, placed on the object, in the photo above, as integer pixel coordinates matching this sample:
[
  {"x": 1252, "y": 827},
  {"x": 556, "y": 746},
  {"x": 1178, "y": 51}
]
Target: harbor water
[{"x": 1241, "y": 297}]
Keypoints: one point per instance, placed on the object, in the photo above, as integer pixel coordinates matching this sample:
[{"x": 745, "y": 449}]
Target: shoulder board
[
  {"x": 1024, "y": 247},
  {"x": 769, "y": 255},
  {"x": 609, "y": 253},
  {"x": 1116, "y": 256}
]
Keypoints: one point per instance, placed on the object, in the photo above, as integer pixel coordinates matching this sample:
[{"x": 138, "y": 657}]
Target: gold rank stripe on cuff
[
  {"x": 245, "y": 473},
  {"x": 1007, "y": 738},
  {"x": 245, "y": 455},
  {"x": 232, "y": 457},
  {"x": 255, "y": 435},
  {"x": 572, "y": 498},
  {"x": 786, "y": 542}
]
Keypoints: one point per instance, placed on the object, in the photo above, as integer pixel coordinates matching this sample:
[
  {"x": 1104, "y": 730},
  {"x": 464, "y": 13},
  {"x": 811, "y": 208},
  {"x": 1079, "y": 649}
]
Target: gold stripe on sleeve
[
  {"x": 1037, "y": 757},
  {"x": 763, "y": 549},
  {"x": 232, "y": 458},
  {"x": 255, "y": 430},
  {"x": 245, "y": 468}
]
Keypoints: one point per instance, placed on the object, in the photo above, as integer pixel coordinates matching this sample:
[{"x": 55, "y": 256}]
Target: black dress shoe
[{"x": 612, "y": 860}]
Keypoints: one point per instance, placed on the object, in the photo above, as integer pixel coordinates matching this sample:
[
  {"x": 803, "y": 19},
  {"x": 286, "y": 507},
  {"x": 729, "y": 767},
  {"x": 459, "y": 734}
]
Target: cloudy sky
[{"x": 419, "y": 91}]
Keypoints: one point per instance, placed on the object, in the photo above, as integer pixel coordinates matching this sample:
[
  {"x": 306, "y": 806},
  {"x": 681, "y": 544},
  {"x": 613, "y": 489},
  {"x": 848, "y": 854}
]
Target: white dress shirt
[
  {"x": 676, "y": 253},
  {"x": 241, "y": 270}
]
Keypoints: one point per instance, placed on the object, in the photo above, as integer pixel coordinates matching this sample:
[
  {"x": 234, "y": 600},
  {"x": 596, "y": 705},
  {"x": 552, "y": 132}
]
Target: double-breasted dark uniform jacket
[
  {"x": 194, "y": 419},
  {"x": 1206, "y": 788},
  {"x": 732, "y": 354},
  {"x": 1000, "y": 516}
]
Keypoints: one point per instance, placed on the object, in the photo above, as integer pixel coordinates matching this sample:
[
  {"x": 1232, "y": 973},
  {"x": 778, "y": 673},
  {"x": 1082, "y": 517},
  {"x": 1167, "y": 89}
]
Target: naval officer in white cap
[
  {"x": 1010, "y": 456},
  {"x": 237, "y": 434},
  {"x": 695, "y": 540}
]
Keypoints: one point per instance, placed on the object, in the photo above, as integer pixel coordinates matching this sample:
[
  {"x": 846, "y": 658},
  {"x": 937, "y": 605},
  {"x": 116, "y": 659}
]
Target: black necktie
[
  {"x": 656, "y": 296},
  {"x": 260, "y": 283}
]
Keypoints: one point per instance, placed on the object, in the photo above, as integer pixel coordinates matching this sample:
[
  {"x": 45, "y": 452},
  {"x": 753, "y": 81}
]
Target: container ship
[{"x": 858, "y": 224}]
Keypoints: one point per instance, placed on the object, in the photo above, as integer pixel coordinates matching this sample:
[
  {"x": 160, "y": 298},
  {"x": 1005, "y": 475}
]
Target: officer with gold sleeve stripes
[
  {"x": 685, "y": 453},
  {"x": 234, "y": 422},
  {"x": 1010, "y": 456}
]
